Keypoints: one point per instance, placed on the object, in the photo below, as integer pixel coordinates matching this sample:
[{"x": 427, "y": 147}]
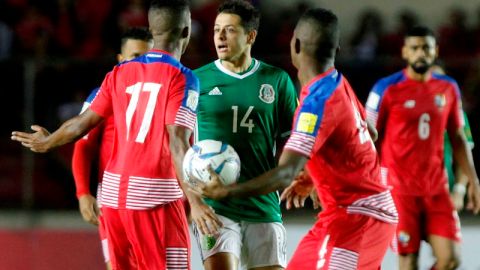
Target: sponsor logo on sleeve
[
  {"x": 192, "y": 100},
  {"x": 306, "y": 122},
  {"x": 373, "y": 100}
]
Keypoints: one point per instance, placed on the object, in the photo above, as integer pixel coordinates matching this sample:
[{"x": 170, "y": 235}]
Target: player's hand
[
  {"x": 298, "y": 191},
  {"x": 89, "y": 209},
  {"x": 473, "y": 193},
  {"x": 214, "y": 189},
  {"x": 36, "y": 142},
  {"x": 204, "y": 216},
  {"x": 458, "y": 200}
]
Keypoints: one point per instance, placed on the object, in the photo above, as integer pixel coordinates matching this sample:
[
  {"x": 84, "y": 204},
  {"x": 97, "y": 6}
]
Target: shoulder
[
  {"x": 206, "y": 69},
  {"x": 270, "y": 69},
  {"x": 448, "y": 80},
  {"x": 92, "y": 95},
  {"x": 386, "y": 82}
]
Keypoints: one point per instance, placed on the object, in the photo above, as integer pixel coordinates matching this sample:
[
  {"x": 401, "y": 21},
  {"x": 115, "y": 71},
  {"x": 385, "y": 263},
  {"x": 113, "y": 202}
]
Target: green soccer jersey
[
  {"x": 448, "y": 155},
  {"x": 251, "y": 111}
]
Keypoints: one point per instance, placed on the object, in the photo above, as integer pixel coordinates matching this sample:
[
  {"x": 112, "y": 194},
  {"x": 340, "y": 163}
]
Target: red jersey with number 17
[
  {"x": 411, "y": 118},
  {"x": 145, "y": 95},
  {"x": 330, "y": 129}
]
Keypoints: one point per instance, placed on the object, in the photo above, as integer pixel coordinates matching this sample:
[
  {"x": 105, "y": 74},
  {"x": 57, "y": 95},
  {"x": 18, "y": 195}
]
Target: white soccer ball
[{"x": 221, "y": 156}]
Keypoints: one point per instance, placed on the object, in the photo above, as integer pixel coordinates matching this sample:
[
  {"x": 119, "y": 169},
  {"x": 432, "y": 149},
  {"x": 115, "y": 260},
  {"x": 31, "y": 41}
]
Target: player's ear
[
  {"x": 185, "y": 32},
  {"x": 297, "y": 46},
  {"x": 120, "y": 58},
  {"x": 252, "y": 35}
]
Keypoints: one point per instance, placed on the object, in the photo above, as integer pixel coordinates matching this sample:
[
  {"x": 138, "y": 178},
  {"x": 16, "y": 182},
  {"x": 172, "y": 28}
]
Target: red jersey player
[
  {"x": 98, "y": 143},
  {"x": 329, "y": 136},
  {"x": 153, "y": 100},
  {"x": 411, "y": 110}
]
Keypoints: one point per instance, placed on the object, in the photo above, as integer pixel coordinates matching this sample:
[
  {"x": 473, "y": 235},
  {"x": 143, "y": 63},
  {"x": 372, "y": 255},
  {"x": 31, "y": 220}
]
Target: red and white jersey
[
  {"x": 330, "y": 129},
  {"x": 145, "y": 95},
  {"x": 411, "y": 118},
  {"x": 95, "y": 146}
]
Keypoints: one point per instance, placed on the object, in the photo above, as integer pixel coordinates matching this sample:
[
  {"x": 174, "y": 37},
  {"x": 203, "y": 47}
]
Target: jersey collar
[
  {"x": 252, "y": 70},
  {"x": 320, "y": 76}
]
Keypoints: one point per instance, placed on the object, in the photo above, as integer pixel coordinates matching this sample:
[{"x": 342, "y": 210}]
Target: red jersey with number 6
[
  {"x": 411, "y": 118},
  {"x": 145, "y": 95}
]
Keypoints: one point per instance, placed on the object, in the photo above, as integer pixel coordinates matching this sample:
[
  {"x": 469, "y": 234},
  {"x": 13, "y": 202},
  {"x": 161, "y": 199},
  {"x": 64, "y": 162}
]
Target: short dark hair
[
  {"x": 420, "y": 31},
  {"x": 325, "y": 23},
  {"x": 136, "y": 33},
  {"x": 176, "y": 5},
  {"x": 247, "y": 12}
]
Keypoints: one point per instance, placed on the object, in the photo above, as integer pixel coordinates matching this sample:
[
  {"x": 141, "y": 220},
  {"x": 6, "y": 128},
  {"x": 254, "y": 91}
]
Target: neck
[
  {"x": 174, "y": 48},
  {"x": 310, "y": 68},
  {"x": 417, "y": 76},
  {"x": 238, "y": 65}
]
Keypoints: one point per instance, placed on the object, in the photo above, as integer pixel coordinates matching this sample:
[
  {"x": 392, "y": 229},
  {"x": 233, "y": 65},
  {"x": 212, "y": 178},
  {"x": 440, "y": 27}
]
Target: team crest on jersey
[
  {"x": 440, "y": 100},
  {"x": 267, "y": 94},
  {"x": 192, "y": 100},
  {"x": 403, "y": 238}
]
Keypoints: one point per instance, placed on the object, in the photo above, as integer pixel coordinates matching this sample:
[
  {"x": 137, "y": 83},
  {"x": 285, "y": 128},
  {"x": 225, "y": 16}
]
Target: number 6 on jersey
[{"x": 135, "y": 90}]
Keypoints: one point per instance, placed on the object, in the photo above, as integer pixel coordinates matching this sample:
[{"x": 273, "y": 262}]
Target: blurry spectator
[
  {"x": 6, "y": 39},
  {"x": 134, "y": 15},
  {"x": 34, "y": 31},
  {"x": 366, "y": 39},
  {"x": 454, "y": 37},
  {"x": 476, "y": 33},
  {"x": 205, "y": 16},
  {"x": 64, "y": 29},
  {"x": 392, "y": 42}
]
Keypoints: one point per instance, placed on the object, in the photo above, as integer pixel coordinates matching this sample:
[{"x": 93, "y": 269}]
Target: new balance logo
[
  {"x": 215, "y": 92},
  {"x": 409, "y": 104}
]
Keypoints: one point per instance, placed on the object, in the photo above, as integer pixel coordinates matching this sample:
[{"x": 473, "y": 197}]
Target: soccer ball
[{"x": 221, "y": 156}]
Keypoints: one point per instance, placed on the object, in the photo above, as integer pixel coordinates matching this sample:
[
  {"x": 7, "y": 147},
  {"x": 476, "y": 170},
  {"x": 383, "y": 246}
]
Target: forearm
[
  {"x": 464, "y": 159},
  {"x": 273, "y": 180}
]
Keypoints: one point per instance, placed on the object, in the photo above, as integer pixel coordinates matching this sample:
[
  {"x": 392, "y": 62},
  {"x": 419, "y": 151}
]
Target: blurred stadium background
[{"x": 53, "y": 52}]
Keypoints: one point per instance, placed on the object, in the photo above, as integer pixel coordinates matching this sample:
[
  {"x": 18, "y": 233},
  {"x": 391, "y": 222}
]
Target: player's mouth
[{"x": 222, "y": 48}]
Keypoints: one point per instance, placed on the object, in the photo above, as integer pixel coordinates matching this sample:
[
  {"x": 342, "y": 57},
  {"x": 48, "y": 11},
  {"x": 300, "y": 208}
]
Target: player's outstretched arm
[
  {"x": 42, "y": 141},
  {"x": 279, "y": 178},
  {"x": 463, "y": 157},
  {"x": 202, "y": 214}
]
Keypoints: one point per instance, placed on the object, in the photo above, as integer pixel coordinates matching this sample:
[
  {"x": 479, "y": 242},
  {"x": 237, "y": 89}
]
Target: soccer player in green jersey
[
  {"x": 457, "y": 180},
  {"x": 249, "y": 105}
]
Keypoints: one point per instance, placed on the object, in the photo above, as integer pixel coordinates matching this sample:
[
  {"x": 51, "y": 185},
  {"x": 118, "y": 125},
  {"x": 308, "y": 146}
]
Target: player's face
[
  {"x": 133, "y": 48},
  {"x": 230, "y": 38},
  {"x": 420, "y": 53}
]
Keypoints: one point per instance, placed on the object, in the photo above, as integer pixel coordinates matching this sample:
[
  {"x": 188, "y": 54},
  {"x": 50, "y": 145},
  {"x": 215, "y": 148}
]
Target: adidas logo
[{"x": 215, "y": 92}]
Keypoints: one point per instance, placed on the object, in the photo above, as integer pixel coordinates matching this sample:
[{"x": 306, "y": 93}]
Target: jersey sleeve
[
  {"x": 313, "y": 124},
  {"x": 455, "y": 116},
  {"x": 84, "y": 152},
  {"x": 288, "y": 103},
  {"x": 183, "y": 100},
  {"x": 377, "y": 105},
  {"x": 468, "y": 131},
  {"x": 102, "y": 103}
]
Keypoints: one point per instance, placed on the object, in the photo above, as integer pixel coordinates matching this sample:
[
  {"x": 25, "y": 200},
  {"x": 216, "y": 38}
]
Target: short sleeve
[
  {"x": 455, "y": 116},
  {"x": 183, "y": 100},
  {"x": 288, "y": 103},
  {"x": 377, "y": 105},
  {"x": 313, "y": 124},
  {"x": 102, "y": 102}
]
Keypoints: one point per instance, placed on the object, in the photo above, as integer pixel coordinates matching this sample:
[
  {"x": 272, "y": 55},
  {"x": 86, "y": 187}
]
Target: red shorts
[
  {"x": 157, "y": 237},
  {"x": 423, "y": 216},
  {"x": 345, "y": 241}
]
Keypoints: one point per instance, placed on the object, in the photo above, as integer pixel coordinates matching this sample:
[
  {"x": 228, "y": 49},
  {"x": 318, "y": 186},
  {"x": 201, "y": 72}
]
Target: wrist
[{"x": 460, "y": 188}]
